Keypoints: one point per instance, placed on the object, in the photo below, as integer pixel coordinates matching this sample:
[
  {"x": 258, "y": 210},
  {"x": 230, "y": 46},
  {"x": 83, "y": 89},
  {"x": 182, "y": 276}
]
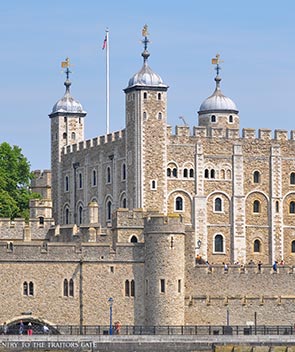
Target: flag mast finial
[
  {"x": 216, "y": 61},
  {"x": 106, "y": 45}
]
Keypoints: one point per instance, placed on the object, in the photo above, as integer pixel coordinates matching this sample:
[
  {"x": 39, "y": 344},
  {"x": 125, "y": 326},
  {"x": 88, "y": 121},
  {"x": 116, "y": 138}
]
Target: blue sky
[{"x": 254, "y": 38}]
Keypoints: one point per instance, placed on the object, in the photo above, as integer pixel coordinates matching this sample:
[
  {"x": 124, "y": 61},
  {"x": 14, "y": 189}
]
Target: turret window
[
  {"x": 218, "y": 244},
  {"x": 123, "y": 172},
  {"x": 213, "y": 118},
  {"x": 145, "y": 95},
  {"x": 154, "y": 185},
  {"x": 292, "y": 178},
  {"x": 80, "y": 215},
  {"x": 256, "y": 206},
  {"x": 159, "y": 96},
  {"x": 94, "y": 178},
  {"x": 292, "y": 208},
  {"x": 179, "y": 204},
  {"x": 67, "y": 216},
  {"x": 256, "y": 177},
  {"x": 162, "y": 286},
  {"x": 230, "y": 119},
  {"x": 218, "y": 205},
  {"x": 159, "y": 116},
  {"x": 67, "y": 183},
  {"x": 109, "y": 210},
  {"x": 80, "y": 180},
  {"x": 109, "y": 179},
  {"x": 293, "y": 247},
  {"x": 73, "y": 136},
  {"x": 64, "y": 136},
  {"x": 257, "y": 246}
]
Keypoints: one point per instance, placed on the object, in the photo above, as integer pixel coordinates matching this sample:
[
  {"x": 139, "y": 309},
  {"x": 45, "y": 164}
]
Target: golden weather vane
[
  {"x": 66, "y": 64},
  {"x": 216, "y": 61},
  {"x": 145, "y": 32}
]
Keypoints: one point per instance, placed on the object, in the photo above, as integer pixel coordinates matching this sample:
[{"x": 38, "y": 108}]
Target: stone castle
[{"x": 134, "y": 215}]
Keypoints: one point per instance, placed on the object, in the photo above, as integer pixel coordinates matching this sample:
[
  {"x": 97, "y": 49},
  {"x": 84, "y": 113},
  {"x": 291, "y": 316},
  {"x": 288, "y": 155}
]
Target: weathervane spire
[
  {"x": 216, "y": 61},
  {"x": 145, "y": 42},
  {"x": 66, "y": 65}
]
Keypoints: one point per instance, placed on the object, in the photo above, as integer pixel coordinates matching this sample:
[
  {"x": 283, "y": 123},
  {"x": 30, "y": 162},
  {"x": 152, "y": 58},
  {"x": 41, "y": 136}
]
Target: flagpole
[{"x": 107, "y": 82}]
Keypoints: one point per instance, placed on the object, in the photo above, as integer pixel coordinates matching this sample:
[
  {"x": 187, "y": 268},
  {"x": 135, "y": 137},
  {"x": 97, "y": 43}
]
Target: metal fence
[{"x": 175, "y": 330}]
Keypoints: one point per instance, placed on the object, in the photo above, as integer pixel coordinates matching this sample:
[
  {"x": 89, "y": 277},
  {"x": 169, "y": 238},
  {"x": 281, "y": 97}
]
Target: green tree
[{"x": 15, "y": 179}]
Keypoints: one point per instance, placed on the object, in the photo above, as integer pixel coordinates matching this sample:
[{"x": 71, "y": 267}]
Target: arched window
[
  {"x": 292, "y": 207},
  {"x": 71, "y": 288},
  {"x": 292, "y": 178},
  {"x": 257, "y": 246},
  {"x": 174, "y": 172},
  {"x": 132, "y": 288},
  {"x": 218, "y": 244},
  {"x": 185, "y": 173},
  {"x": 206, "y": 173},
  {"x": 154, "y": 184},
  {"x": 80, "y": 214},
  {"x": 144, "y": 95},
  {"x": 67, "y": 216},
  {"x": 26, "y": 289},
  {"x": 230, "y": 119},
  {"x": 64, "y": 136},
  {"x": 73, "y": 135},
  {"x": 213, "y": 118},
  {"x": 160, "y": 116},
  {"x": 67, "y": 183},
  {"x": 168, "y": 172},
  {"x": 256, "y": 206},
  {"x": 222, "y": 174},
  {"x": 123, "y": 171},
  {"x": 94, "y": 178},
  {"x": 124, "y": 203},
  {"x": 228, "y": 174},
  {"x": 144, "y": 116},
  {"x": 212, "y": 173},
  {"x": 108, "y": 174},
  {"x": 41, "y": 220},
  {"x": 133, "y": 239},
  {"x": 178, "y": 204},
  {"x": 191, "y": 173},
  {"x": 66, "y": 288},
  {"x": 293, "y": 246},
  {"x": 109, "y": 210},
  {"x": 159, "y": 96},
  {"x": 256, "y": 177},
  {"x": 80, "y": 180},
  {"x": 218, "y": 204},
  {"x": 31, "y": 288},
  {"x": 127, "y": 288},
  {"x": 277, "y": 206}
]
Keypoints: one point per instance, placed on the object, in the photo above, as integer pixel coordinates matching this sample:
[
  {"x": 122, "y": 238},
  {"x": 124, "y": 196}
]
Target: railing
[{"x": 199, "y": 330}]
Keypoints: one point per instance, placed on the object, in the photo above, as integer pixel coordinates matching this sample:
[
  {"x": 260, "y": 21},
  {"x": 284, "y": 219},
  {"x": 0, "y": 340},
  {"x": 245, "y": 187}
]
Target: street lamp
[{"x": 110, "y": 302}]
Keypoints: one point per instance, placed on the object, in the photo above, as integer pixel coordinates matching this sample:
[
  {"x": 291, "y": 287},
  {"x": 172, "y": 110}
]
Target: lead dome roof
[
  {"x": 67, "y": 103},
  {"x": 218, "y": 102}
]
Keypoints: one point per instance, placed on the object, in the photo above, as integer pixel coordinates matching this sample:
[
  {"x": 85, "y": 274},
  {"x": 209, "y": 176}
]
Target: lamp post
[{"x": 110, "y": 302}]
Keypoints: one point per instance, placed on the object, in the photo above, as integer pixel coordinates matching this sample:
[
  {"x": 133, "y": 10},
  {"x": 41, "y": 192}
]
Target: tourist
[
  {"x": 45, "y": 329},
  {"x": 225, "y": 267},
  {"x": 275, "y": 266},
  {"x": 259, "y": 265},
  {"x": 5, "y": 328},
  {"x": 21, "y": 327},
  {"x": 30, "y": 329}
]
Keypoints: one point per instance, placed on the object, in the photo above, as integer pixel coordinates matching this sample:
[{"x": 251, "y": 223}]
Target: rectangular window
[
  {"x": 162, "y": 286},
  {"x": 146, "y": 287},
  {"x": 112, "y": 269},
  {"x": 179, "y": 286}
]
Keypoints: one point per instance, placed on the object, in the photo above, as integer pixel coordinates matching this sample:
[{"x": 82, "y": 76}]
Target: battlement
[
  {"x": 263, "y": 134},
  {"x": 159, "y": 223},
  {"x": 94, "y": 142}
]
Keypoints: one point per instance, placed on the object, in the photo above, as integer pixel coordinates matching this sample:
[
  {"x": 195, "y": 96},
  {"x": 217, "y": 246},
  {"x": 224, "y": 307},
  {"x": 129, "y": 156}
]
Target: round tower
[
  {"x": 164, "y": 270},
  {"x": 146, "y": 135},
  {"x": 67, "y": 127},
  {"x": 218, "y": 110}
]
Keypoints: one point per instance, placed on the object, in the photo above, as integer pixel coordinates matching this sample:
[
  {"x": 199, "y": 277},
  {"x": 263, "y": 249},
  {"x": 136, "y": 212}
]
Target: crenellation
[
  {"x": 281, "y": 135},
  {"x": 249, "y": 133},
  {"x": 182, "y": 131},
  {"x": 264, "y": 134},
  {"x": 232, "y": 133},
  {"x": 200, "y": 131},
  {"x": 217, "y": 132}
]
